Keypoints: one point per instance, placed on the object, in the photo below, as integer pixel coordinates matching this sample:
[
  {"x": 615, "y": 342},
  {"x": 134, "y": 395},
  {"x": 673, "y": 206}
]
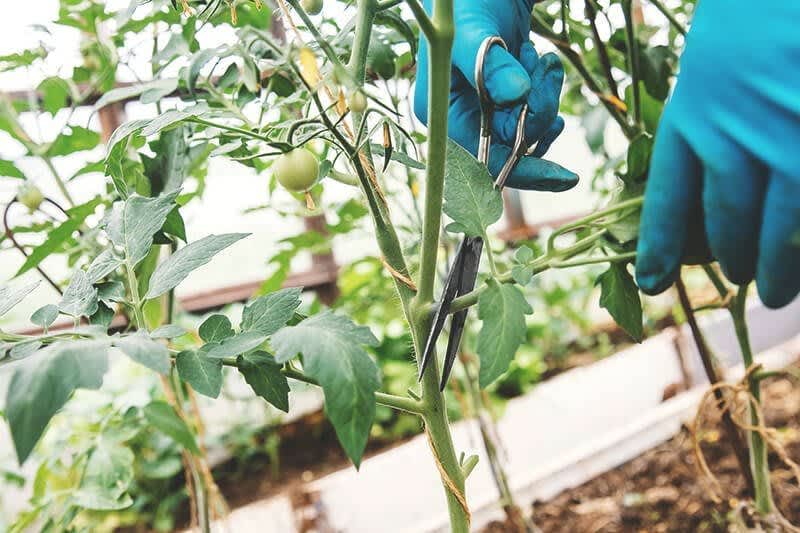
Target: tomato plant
[{"x": 258, "y": 100}]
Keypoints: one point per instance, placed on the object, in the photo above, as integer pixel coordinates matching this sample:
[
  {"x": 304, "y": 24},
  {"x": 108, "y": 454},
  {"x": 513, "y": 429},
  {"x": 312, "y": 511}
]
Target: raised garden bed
[
  {"x": 608, "y": 421},
  {"x": 663, "y": 489}
]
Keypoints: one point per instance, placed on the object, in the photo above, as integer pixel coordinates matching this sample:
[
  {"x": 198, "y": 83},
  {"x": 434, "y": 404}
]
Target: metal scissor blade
[
  {"x": 448, "y": 294},
  {"x": 471, "y": 249}
]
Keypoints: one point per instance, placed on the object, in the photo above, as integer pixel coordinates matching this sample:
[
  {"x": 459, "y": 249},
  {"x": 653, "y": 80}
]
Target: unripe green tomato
[
  {"x": 357, "y": 101},
  {"x": 296, "y": 170},
  {"x": 30, "y": 196},
  {"x": 312, "y": 7}
]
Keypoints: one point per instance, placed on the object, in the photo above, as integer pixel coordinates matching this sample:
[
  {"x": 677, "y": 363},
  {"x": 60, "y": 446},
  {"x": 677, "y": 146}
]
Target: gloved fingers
[
  {"x": 778, "y": 267},
  {"x": 505, "y": 79},
  {"x": 549, "y": 137},
  {"x": 528, "y": 57},
  {"x": 672, "y": 193},
  {"x": 546, "y": 81},
  {"x": 732, "y": 203},
  {"x": 532, "y": 173}
]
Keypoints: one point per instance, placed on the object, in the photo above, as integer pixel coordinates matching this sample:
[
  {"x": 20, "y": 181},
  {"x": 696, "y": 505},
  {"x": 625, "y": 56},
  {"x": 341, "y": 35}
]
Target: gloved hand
[
  {"x": 511, "y": 78},
  {"x": 727, "y": 147}
]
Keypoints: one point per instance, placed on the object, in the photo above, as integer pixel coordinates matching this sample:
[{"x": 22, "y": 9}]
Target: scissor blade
[
  {"x": 448, "y": 294},
  {"x": 472, "y": 248}
]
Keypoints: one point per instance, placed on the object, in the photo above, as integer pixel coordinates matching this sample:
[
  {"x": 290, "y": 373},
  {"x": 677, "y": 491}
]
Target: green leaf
[
  {"x": 103, "y": 265},
  {"x": 145, "y": 351},
  {"x": 55, "y": 94},
  {"x": 171, "y": 117},
  {"x": 333, "y": 354},
  {"x": 111, "y": 292},
  {"x": 196, "y": 64},
  {"x": 202, "y": 373},
  {"x": 76, "y": 139},
  {"x": 404, "y": 159},
  {"x": 167, "y": 170},
  {"x": 10, "y": 297},
  {"x": 148, "y": 127},
  {"x": 651, "y": 108},
  {"x": 192, "y": 256},
  {"x": 104, "y": 316},
  {"x": 10, "y": 170},
  {"x": 522, "y": 274},
  {"x": 41, "y": 385},
  {"x": 123, "y": 133},
  {"x": 96, "y": 500},
  {"x": 656, "y": 64},
  {"x": 523, "y": 255},
  {"x": 80, "y": 296},
  {"x": 168, "y": 331},
  {"x": 163, "y": 86},
  {"x": 22, "y": 350},
  {"x": 238, "y": 344},
  {"x": 132, "y": 223},
  {"x": 269, "y": 313},
  {"x": 174, "y": 225},
  {"x": 22, "y": 59},
  {"x": 45, "y": 316},
  {"x": 108, "y": 472},
  {"x": 638, "y": 157},
  {"x": 59, "y": 235},
  {"x": 502, "y": 308},
  {"x": 164, "y": 418},
  {"x": 215, "y": 328},
  {"x": 264, "y": 375},
  {"x": 620, "y": 296},
  {"x": 470, "y": 198}
]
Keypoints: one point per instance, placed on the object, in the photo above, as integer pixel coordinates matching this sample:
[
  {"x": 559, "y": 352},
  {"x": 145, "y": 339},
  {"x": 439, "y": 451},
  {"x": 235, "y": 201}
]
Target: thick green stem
[
  {"x": 633, "y": 59},
  {"x": 133, "y": 286},
  {"x": 440, "y": 43},
  {"x": 585, "y": 221},
  {"x": 758, "y": 448},
  {"x": 438, "y": 102}
]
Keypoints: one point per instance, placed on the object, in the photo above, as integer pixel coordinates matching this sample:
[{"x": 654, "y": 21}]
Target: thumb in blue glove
[
  {"x": 726, "y": 149},
  {"x": 511, "y": 77}
]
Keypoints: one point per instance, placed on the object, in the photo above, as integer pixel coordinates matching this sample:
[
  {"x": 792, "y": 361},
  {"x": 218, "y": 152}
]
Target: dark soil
[{"x": 663, "y": 490}]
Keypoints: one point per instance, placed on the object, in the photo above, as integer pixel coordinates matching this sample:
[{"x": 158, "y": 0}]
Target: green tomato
[
  {"x": 30, "y": 196},
  {"x": 296, "y": 170},
  {"x": 357, "y": 101},
  {"x": 312, "y": 7}
]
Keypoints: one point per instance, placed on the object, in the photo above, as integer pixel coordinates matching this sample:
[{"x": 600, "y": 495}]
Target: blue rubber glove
[
  {"x": 511, "y": 78},
  {"x": 727, "y": 147}
]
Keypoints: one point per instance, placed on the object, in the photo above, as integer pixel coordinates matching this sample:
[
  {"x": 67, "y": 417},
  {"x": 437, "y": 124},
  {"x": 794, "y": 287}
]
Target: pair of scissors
[{"x": 464, "y": 271}]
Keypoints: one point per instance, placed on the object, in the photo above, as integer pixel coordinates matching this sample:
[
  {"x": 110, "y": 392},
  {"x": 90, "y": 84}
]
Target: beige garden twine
[
  {"x": 399, "y": 276},
  {"x": 448, "y": 481},
  {"x": 736, "y": 404}
]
